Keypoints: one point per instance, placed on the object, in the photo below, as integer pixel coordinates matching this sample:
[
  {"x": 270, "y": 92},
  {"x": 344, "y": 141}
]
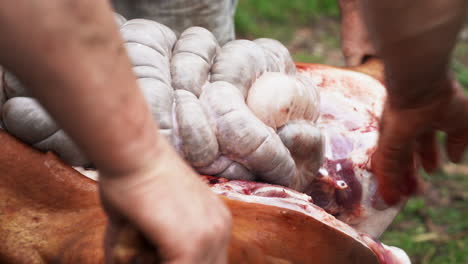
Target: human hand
[
  {"x": 408, "y": 137},
  {"x": 173, "y": 209}
]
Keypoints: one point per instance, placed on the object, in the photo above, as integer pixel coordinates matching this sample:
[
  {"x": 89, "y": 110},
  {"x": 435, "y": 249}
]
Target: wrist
[
  {"x": 138, "y": 156},
  {"x": 160, "y": 167}
]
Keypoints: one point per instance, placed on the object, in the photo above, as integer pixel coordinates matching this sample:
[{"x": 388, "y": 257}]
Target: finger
[
  {"x": 125, "y": 244},
  {"x": 428, "y": 151},
  {"x": 393, "y": 161},
  {"x": 456, "y": 145},
  {"x": 456, "y": 127},
  {"x": 221, "y": 257},
  {"x": 220, "y": 254},
  {"x": 395, "y": 172}
]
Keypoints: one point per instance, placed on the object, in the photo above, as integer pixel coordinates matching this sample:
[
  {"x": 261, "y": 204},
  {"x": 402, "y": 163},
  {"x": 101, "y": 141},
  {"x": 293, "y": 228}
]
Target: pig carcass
[{"x": 291, "y": 139}]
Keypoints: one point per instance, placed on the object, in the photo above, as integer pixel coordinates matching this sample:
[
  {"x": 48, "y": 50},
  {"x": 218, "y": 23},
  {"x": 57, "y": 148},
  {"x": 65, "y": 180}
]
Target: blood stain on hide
[
  {"x": 369, "y": 128},
  {"x": 373, "y": 118},
  {"x": 353, "y": 89}
]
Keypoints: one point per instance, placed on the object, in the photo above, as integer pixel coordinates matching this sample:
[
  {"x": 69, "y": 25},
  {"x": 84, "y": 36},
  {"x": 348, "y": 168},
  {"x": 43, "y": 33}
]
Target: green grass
[
  {"x": 276, "y": 18},
  {"x": 306, "y": 57},
  {"x": 431, "y": 229},
  {"x": 461, "y": 72},
  {"x": 434, "y": 231}
]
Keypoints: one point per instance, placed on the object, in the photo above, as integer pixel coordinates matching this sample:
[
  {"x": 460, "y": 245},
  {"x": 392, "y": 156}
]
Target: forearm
[
  {"x": 355, "y": 42},
  {"x": 415, "y": 39},
  {"x": 70, "y": 55}
]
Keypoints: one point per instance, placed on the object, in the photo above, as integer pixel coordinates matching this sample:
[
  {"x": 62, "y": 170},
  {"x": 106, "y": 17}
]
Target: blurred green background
[{"x": 432, "y": 228}]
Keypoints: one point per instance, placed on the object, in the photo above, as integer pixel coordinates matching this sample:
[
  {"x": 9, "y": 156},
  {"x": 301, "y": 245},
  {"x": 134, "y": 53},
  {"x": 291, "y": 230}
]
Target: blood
[
  {"x": 374, "y": 119},
  {"x": 211, "y": 180},
  {"x": 369, "y": 128},
  {"x": 321, "y": 193},
  {"x": 349, "y": 198}
]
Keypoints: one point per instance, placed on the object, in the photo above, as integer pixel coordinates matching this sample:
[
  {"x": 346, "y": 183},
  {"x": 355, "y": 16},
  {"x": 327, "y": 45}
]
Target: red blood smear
[{"x": 212, "y": 180}]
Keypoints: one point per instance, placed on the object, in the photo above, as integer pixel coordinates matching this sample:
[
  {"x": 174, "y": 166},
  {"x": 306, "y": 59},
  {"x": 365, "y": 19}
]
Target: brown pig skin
[{"x": 50, "y": 213}]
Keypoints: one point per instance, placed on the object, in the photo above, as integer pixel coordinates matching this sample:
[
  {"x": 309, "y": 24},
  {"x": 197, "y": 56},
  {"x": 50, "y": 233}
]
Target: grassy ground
[{"x": 431, "y": 229}]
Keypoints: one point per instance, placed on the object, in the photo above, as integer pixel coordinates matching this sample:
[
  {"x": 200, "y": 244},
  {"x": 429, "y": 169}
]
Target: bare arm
[
  {"x": 70, "y": 55},
  {"x": 415, "y": 40}
]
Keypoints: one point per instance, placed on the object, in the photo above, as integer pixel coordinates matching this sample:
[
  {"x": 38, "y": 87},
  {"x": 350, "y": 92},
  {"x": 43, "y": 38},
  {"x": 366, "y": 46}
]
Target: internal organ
[
  {"x": 242, "y": 111},
  {"x": 202, "y": 96}
]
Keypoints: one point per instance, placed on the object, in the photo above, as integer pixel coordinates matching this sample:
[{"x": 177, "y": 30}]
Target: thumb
[{"x": 456, "y": 127}]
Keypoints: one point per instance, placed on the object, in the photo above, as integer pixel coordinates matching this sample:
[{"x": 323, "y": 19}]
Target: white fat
[
  {"x": 338, "y": 167},
  {"x": 90, "y": 173},
  {"x": 399, "y": 256},
  {"x": 323, "y": 171}
]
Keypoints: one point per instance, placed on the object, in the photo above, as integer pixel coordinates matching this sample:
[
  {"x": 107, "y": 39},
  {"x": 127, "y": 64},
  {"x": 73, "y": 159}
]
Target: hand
[
  {"x": 407, "y": 137},
  {"x": 174, "y": 210}
]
